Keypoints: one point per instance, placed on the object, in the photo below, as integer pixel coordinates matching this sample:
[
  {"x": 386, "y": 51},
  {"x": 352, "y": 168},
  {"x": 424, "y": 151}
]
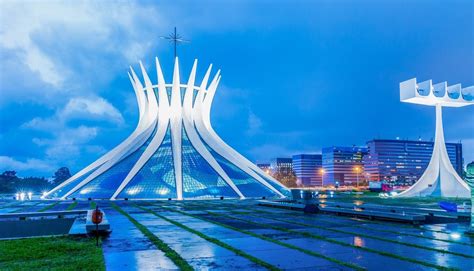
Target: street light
[
  {"x": 357, "y": 169},
  {"x": 322, "y": 171}
]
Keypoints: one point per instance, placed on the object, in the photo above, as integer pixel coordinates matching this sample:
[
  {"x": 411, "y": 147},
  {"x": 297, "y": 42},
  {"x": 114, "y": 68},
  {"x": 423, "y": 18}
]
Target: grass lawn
[{"x": 51, "y": 253}]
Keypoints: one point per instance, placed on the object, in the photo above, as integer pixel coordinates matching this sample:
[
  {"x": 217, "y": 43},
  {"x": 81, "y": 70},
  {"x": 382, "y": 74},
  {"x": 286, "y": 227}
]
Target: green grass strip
[
  {"x": 46, "y": 208},
  {"x": 309, "y": 252},
  {"x": 51, "y": 253},
  {"x": 371, "y": 237},
  {"x": 72, "y": 206},
  {"x": 169, "y": 252},
  {"x": 319, "y": 237},
  {"x": 213, "y": 240}
]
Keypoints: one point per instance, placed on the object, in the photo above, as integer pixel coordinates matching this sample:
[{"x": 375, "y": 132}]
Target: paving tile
[
  {"x": 128, "y": 249},
  {"x": 200, "y": 253},
  {"x": 293, "y": 259},
  {"x": 224, "y": 263},
  {"x": 138, "y": 260},
  {"x": 368, "y": 260}
]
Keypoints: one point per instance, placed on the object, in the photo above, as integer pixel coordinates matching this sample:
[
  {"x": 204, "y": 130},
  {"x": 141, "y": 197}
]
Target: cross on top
[{"x": 176, "y": 39}]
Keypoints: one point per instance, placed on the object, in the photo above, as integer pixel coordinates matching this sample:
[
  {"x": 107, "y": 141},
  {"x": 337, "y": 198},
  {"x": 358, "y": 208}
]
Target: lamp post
[
  {"x": 357, "y": 171},
  {"x": 322, "y": 171}
]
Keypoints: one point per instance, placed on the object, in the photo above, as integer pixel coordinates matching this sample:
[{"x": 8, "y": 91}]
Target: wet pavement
[
  {"x": 129, "y": 249},
  {"x": 198, "y": 252},
  {"x": 287, "y": 240}
]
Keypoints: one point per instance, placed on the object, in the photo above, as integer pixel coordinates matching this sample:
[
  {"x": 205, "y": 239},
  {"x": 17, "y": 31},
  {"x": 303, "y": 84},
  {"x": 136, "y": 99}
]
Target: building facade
[
  {"x": 402, "y": 162},
  {"x": 308, "y": 169},
  {"x": 343, "y": 165},
  {"x": 265, "y": 167},
  {"x": 281, "y": 168}
]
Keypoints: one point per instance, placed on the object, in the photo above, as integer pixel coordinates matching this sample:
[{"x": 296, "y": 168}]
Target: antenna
[{"x": 176, "y": 39}]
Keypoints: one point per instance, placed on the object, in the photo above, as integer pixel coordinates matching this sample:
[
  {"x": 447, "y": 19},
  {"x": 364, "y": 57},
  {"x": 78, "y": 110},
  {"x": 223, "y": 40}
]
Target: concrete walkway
[
  {"x": 199, "y": 253},
  {"x": 267, "y": 251},
  {"x": 128, "y": 249}
]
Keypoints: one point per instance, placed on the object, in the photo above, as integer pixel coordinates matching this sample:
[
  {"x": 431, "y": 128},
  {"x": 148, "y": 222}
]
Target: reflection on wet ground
[{"x": 281, "y": 238}]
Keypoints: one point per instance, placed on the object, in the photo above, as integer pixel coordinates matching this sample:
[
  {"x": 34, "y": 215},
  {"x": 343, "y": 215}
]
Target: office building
[
  {"x": 265, "y": 167},
  {"x": 343, "y": 165},
  {"x": 308, "y": 169},
  {"x": 402, "y": 162},
  {"x": 281, "y": 168}
]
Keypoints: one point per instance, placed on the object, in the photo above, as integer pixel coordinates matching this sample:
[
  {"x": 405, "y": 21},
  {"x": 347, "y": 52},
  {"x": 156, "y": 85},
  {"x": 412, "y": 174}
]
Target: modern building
[
  {"x": 281, "y": 165},
  {"x": 440, "y": 178},
  {"x": 265, "y": 167},
  {"x": 308, "y": 169},
  {"x": 174, "y": 153},
  {"x": 402, "y": 162},
  {"x": 343, "y": 165},
  {"x": 281, "y": 168}
]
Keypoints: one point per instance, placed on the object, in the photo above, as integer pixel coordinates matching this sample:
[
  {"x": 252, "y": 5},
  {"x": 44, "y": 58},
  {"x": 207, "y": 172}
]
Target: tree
[
  {"x": 9, "y": 174},
  {"x": 8, "y": 180},
  {"x": 288, "y": 179},
  {"x": 61, "y": 175}
]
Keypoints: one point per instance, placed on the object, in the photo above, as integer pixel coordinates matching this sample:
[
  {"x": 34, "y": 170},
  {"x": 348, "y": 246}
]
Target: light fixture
[{"x": 455, "y": 235}]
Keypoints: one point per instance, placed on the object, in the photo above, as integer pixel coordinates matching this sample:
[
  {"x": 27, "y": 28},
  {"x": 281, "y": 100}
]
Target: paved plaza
[{"x": 233, "y": 235}]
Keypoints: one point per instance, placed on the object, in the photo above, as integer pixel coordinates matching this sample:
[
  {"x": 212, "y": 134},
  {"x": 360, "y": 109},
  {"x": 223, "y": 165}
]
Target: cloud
[
  {"x": 254, "y": 123},
  {"x": 91, "y": 108},
  {"x": 61, "y": 142},
  {"x": 9, "y": 163},
  {"x": 68, "y": 143},
  {"x": 78, "y": 108},
  {"x": 59, "y": 44}
]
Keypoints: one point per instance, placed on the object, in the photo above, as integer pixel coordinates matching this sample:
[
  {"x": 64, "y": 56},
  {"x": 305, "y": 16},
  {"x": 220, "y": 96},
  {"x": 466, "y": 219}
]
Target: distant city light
[
  {"x": 85, "y": 191},
  {"x": 455, "y": 235},
  {"x": 359, "y": 242},
  {"x": 30, "y": 195},
  {"x": 134, "y": 191},
  {"x": 163, "y": 191},
  {"x": 22, "y": 196}
]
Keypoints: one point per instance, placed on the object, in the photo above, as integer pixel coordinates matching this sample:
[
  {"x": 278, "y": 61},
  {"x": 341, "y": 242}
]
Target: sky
[{"x": 297, "y": 76}]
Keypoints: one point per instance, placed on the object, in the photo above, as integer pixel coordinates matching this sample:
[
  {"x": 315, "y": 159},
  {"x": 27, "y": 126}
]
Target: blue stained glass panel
[
  {"x": 246, "y": 184},
  {"x": 156, "y": 179},
  {"x": 200, "y": 180},
  {"x": 61, "y": 192},
  {"x": 183, "y": 92},
  {"x": 104, "y": 185},
  {"x": 168, "y": 92}
]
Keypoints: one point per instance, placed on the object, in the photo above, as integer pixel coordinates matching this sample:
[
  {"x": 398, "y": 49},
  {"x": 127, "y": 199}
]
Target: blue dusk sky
[{"x": 297, "y": 76}]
